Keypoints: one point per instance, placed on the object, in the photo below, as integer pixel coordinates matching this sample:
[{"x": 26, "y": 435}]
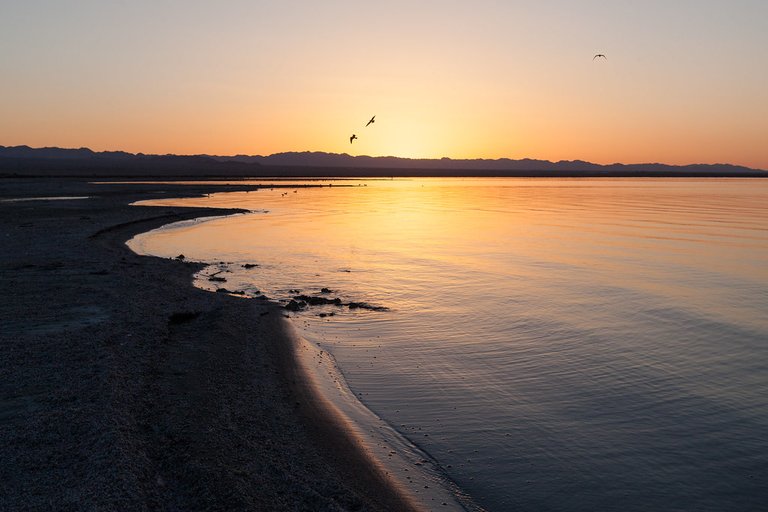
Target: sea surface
[{"x": 552, "y": 344}]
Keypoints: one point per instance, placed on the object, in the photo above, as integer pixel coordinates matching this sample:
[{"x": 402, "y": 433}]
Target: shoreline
[
  {"x": 390, "y": 455},
  {"x": 132, "y": 389}
]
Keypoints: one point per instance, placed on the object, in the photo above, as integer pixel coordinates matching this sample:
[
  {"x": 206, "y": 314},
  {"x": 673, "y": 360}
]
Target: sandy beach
[{"x": 126, "y": 388}]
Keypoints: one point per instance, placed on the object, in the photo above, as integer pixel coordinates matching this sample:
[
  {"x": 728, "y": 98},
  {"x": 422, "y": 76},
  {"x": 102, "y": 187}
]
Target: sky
[{"x": 685, "y": 81}]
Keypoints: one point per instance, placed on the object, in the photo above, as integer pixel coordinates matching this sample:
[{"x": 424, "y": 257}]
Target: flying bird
[
  {"x": 599, "y": 55},
  {"x": 353, "y": 137},
  {"x": 371, "y": 121}
]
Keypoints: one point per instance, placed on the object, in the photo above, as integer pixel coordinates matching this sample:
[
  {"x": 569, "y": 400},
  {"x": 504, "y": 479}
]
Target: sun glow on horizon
[{"x": 463, "y": 80}]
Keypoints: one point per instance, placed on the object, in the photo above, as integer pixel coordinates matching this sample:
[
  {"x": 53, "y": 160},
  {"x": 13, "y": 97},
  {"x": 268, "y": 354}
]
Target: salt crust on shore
[{"x": 125, "y": 388}]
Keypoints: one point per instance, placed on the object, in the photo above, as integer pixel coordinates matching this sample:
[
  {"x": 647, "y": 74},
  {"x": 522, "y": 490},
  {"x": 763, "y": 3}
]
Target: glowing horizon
[{"x": 681, "y": 83}]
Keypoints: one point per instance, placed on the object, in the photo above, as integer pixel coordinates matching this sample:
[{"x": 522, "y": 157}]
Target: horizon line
[{"x": 431, "y": 159}]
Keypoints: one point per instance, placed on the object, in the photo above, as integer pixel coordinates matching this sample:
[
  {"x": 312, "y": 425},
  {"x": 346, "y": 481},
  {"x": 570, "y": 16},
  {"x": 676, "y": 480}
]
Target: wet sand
[{"x": 126, "y": 388}]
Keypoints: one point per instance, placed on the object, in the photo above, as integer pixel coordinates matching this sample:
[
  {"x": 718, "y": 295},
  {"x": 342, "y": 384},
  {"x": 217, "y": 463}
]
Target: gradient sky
[{"x": 685, "y": 81}]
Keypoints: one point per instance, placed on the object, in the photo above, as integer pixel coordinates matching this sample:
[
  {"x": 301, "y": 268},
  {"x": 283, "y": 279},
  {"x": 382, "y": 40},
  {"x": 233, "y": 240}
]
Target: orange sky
[{"x": 683, "y": 83}]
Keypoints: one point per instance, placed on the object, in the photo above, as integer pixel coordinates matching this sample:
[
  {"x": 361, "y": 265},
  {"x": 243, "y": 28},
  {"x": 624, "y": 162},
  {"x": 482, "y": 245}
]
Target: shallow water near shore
[{"x": 553, "y": 344}]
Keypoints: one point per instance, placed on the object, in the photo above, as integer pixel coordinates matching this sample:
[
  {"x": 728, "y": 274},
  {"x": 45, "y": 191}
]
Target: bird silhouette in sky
[
  {"x": 353, "y": 137},
  {"x": 599, "y": 55},
  {"x": 373, "y": 120}
]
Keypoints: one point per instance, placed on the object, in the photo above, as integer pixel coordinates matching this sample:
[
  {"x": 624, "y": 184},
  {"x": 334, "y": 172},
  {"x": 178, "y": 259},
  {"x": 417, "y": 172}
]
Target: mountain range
[{"x": 51, "y": 161}]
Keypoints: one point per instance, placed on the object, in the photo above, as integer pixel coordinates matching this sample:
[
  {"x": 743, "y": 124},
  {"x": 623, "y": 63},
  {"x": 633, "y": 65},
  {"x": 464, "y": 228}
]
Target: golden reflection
[{"x": 489, "y": 221}]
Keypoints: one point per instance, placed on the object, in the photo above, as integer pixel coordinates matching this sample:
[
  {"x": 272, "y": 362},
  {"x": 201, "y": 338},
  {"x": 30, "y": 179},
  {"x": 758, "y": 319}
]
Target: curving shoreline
[{"x": 124, "y": 387}]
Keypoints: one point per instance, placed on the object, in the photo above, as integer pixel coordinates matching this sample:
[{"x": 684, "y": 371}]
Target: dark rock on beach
[
  {"x": 294, "y": 305},
  {"x": 317, "y": 301},
  {"x": 365, "y": 305},
  {"x": 302, "y": 301}
]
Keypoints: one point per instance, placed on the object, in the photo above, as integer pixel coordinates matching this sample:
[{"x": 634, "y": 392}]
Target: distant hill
[
  {"x": 319, "y": 159},
  {"x": 27, "y": 161}
]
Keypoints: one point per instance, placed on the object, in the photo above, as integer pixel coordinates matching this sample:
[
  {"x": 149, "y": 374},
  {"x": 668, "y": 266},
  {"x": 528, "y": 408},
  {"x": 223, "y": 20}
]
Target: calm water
[{"x": 565, "y": 345}]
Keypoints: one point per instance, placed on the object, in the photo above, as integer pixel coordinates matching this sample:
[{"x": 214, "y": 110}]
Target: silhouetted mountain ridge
[
  {"x": 27, "y": 161},
  {"x": 320, "y": 159}
]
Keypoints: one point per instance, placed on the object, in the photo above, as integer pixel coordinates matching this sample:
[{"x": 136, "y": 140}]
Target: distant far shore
[
  {"x": 23, "y": 161},
  {"x": 343, "y": 172}
]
